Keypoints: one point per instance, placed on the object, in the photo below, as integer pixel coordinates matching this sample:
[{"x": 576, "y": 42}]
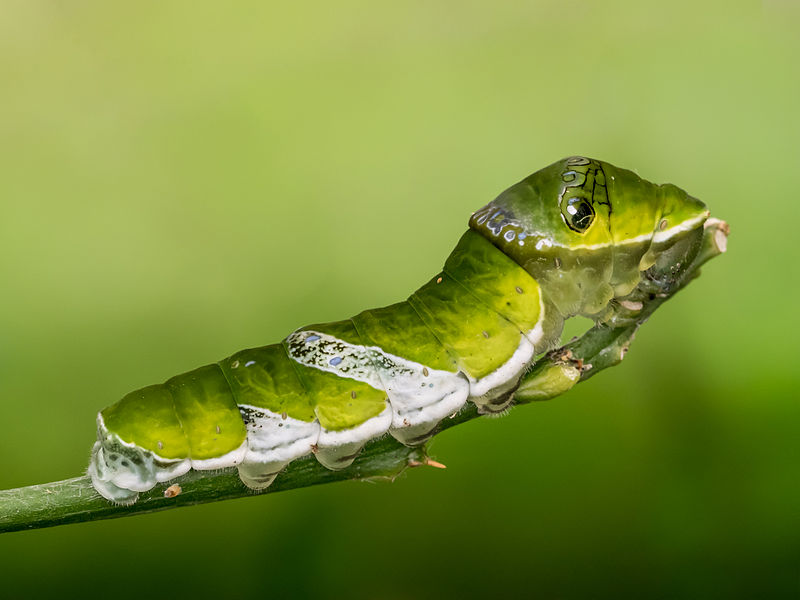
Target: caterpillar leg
[
  {"x": 421, "y": 399},
  {"x": 273, "y": 441},
  {"x": 493, "y": 393},
  {"x": 338, "y": 449}
]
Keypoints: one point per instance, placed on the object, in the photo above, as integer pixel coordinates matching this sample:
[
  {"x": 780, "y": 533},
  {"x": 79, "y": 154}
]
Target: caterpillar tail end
[
  {"x": 101, "y": 480},
  {"x": 121, "y": 470}
]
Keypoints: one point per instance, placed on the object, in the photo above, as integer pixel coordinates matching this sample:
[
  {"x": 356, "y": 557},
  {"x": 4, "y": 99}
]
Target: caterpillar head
[{"x": 586, "y": 230}]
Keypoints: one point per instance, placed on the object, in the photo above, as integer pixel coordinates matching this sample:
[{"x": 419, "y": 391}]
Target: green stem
[{"x": 604, "y": 345}]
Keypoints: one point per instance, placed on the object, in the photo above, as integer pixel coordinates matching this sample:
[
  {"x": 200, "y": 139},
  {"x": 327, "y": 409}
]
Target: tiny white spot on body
[
  {"x": 249, "y": 363},
  {"x": 235, "y": 364}
]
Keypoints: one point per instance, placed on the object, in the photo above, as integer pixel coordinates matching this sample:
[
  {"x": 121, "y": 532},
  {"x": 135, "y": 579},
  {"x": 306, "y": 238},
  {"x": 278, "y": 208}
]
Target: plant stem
[{"x": 604, "y": 345}]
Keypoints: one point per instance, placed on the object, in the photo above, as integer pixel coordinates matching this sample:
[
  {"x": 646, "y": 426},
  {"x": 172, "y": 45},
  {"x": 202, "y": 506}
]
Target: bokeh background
[{"x": 180, "y": 180}]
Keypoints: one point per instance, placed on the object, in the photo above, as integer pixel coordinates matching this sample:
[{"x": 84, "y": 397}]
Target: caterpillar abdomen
[{"x": 327, "y": 389}]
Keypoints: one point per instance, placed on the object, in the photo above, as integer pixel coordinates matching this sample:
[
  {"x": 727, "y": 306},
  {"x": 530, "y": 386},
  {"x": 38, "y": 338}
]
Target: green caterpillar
[{"x": 575, "y": 238}]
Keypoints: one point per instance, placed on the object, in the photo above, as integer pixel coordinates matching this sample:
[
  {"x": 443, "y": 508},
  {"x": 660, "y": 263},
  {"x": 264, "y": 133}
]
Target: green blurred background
[{"x": 180, "y": 181}]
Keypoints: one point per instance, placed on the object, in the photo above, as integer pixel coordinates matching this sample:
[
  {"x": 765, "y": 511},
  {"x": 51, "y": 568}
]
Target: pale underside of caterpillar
[{"x": 572, "y": 239}]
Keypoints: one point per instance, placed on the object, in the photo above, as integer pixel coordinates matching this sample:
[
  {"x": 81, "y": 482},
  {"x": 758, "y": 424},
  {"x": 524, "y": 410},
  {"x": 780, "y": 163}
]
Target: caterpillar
[{"x": 574, "y": 238}]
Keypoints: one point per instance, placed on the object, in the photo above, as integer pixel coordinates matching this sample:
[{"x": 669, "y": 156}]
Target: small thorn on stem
[{"x": 427, "y": 461}]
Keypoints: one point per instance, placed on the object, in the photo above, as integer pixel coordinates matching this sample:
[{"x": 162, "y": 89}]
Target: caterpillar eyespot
[
  {"x": 578, "y": 214},
  {"x": 467, "y": 335}
]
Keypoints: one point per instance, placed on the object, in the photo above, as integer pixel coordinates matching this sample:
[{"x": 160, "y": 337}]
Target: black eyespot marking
[
  {"x": 583, "y": 193},
  {"x": 578, "y": 214}
]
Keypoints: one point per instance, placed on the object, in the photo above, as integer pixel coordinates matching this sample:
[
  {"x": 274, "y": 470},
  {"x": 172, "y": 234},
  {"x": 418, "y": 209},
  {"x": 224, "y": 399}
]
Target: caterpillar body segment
[{"x": 573, "y": 238}]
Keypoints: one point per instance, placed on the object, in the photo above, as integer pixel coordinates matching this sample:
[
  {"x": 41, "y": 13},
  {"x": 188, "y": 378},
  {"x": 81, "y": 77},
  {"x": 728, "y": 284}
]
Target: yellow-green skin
[{"x": 571, "y": 239}]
